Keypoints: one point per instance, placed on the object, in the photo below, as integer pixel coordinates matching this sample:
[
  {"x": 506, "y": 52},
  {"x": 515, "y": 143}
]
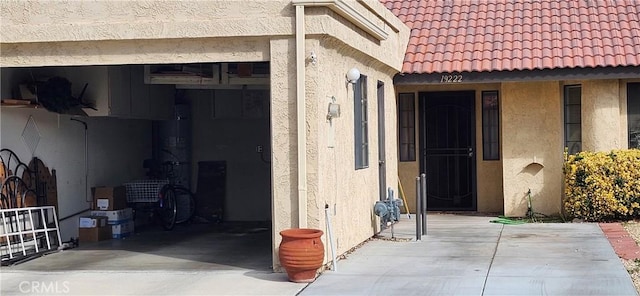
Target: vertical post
[
  {"x": 391, "y": 198},
  {"x": 423, "y": 187},
  {"x": 418, "y": 210},
  {"x": 301, "y": 118}
]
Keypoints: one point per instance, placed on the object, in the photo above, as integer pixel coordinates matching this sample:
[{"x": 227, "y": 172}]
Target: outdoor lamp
[{"x": 353, "y": 75}]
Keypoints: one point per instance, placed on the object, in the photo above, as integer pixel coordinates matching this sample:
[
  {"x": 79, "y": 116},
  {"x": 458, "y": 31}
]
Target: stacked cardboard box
[
  {"x": 109, "y": 198},
  {"x": 111, "y": 202},
  {"x": 93, "y": 229}
]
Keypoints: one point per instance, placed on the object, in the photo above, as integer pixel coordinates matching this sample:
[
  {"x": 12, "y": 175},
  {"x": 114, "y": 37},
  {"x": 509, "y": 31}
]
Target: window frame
[
  {"x": 490, "y": 129},
  {"x": 633, "y": 105},
  {"x": 566, "y": 125},
  {"x": 361, "y": 123},
  {"x": 406, "y": 127}
]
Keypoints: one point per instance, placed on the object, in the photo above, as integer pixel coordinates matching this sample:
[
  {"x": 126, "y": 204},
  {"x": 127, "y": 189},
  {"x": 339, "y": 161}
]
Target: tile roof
[{"x": 498, "y": 35}]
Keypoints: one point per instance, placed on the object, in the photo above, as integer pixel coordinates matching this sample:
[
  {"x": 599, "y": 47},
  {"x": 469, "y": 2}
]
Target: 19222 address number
[{"x": 451, "y": 78}]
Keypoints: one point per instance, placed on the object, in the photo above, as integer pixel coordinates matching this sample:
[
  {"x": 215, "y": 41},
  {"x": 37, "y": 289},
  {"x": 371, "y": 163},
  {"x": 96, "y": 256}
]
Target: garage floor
[
  {"x": 191, "y": 247},
  {"x": 198, "y": 259}
]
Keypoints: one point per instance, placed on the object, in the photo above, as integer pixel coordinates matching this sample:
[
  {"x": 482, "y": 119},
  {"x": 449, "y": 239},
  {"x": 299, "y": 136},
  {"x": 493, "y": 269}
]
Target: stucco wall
[
  {"x": 134, "y": 52},
  {"x": 489, "y": 173},
  {"x": 600, "y": 115},
  {"x": 331, "y": 174},
  {"x": 333, "y": 179},
  {"x": 283, "y": 139},
  {"x": 45, "y": 21},
  {"x": 532, "y": 149},
  {"x": 35, "y": 33},
  {"x": 61, "y": 148}
]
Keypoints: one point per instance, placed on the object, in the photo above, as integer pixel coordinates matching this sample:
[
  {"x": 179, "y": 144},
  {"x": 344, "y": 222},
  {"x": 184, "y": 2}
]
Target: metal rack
[
  {"x": 24, "y": 232},
  {"x": 144, "y": 191}
]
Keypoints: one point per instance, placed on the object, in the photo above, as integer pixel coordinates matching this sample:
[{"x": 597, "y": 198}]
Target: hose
[{"x": 505, "y": 220}]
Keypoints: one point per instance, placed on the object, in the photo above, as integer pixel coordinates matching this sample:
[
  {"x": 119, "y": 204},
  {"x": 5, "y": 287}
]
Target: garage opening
[{"x": 202, "y": 127}]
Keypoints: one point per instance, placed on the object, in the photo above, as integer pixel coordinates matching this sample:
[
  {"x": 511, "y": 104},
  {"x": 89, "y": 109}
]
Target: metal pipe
[
  {"x": 418, "y": 210},
  {"x": 393, "y": 202},
  {"x": 334, "y": 265},
  {"x": 424, "y": 203},
  {"x": 86, "y": 160},
  {"x": 301, "y": 117},
  {"x": 74, "y": 214}
]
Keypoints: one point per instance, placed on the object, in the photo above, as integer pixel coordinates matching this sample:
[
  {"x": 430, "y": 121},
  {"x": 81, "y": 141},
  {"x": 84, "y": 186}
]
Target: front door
[{"x": 447, "y": 141}]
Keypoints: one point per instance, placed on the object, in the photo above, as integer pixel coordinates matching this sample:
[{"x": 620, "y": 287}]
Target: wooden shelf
[{"x": 13, "y": 103}]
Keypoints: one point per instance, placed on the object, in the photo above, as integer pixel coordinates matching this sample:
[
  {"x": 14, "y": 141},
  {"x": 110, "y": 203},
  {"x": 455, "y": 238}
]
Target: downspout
[{"x": 301, "y": 116}]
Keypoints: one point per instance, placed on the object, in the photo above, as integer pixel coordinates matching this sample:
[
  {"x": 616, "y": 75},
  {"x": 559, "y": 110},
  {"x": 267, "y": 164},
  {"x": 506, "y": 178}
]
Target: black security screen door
[{"x": 447, "y": 136}]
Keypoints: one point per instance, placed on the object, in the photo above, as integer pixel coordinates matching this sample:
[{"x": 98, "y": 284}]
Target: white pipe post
[{"x": 301, "y": 116}]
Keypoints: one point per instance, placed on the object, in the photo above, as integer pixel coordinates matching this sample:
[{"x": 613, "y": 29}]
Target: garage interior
[{"x": 210, "y": 120}]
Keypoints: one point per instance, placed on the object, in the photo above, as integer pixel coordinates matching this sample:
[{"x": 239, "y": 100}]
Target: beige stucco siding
[
  {"x": 333, "y": 179},
  {"x": 600, "y": 115},
  {"x": 489, "y": 172},
  {"x": 36, "y": 32},
  {"x": 283, "y": 139},
  {"x": 532, "y": 146},
  {"x": 336, "y": 26},
  {"x": 134, "y": 52},
  {"x": 40, "y": 21},
  {"x": 407, "y": 173}
]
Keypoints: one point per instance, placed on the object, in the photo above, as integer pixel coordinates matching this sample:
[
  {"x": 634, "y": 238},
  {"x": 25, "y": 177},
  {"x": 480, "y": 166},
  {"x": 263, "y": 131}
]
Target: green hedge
[{"x": 602, "y": 186}]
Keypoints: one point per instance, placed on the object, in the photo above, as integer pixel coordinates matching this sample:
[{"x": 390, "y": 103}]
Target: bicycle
[
  {"x": 167, "y": 201},
  {"x": 155, "y": 197},
  {"x": 185, "y": 202}
]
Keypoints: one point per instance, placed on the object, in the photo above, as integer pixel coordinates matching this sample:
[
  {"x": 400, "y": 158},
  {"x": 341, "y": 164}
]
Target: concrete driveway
[
  {"x": 460, "y": 255},
  {"x": 467, "y": 255}
]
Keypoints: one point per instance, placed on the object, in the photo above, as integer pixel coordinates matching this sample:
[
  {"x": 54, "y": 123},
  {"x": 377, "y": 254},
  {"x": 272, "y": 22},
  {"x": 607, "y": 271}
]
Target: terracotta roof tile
[{"x": 499, "y": 35}]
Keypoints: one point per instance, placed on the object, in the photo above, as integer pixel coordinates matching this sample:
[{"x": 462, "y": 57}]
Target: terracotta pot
[{"x": 301, "y": 253}]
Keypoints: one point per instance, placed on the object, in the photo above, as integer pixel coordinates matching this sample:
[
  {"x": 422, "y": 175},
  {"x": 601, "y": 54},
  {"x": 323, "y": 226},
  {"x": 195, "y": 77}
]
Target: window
[
  {"x": 490, "y": 125},
  {"x": 407, "y": 127},
  {"x": 633, "y": 114},
  {"x": 361, "y": 124},
  {"x": 572, "y": 118}
]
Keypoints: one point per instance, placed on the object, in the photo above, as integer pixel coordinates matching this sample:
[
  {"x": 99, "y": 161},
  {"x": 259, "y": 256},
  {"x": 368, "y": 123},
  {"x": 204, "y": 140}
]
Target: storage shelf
[{"x": 14, "y": 103}]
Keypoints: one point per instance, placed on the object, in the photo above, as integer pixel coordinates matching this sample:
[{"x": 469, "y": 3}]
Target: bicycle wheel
[
  {"x": 186, "y": 204},
  {"x": 167, "y": 208}
]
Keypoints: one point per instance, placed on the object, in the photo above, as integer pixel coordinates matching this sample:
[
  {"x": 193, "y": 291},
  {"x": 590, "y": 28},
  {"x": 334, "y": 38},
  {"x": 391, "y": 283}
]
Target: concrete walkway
[{"x": 467, "y": 255}]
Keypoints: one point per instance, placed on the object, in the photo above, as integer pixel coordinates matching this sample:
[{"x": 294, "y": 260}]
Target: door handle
[
  {"x": 470, "y": 152},
  {"x": 380, "y": 162}
]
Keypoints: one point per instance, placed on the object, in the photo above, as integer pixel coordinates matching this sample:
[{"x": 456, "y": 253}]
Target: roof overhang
[
  {"x": 522, "y": 75},
  {"x": 347, "y": 11}
]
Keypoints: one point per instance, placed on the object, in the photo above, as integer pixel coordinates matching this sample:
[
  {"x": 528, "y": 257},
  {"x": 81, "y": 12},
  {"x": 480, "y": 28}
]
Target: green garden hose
[{"x": 505, "y": 220}]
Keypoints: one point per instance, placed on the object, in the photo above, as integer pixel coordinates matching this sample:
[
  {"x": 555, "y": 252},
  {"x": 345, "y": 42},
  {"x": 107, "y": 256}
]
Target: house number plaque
[{"x": 451, "y": 78}]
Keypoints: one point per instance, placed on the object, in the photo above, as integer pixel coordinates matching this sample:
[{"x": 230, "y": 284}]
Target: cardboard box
[
  {"x": 94, "y": 234},
  {"x": 109, "y": 198},
  {"x": 122, "y": 230},
  {"x": 92, "y": 221},
  {"x": 115, "y": 217}
]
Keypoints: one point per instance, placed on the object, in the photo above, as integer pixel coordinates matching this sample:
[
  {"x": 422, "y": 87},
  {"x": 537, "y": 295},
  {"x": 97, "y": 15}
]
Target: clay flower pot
[{"x": 301, "y": 253}]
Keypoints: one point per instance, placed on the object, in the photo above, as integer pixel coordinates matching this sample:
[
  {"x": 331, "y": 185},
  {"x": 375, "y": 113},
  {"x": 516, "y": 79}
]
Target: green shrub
[{"x": 602, "y": 186}]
